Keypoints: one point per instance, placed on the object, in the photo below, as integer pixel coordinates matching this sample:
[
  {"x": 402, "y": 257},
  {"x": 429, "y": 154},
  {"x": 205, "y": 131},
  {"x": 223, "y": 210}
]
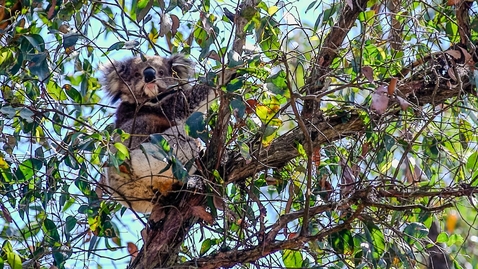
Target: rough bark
[{"x": 167, "y": 228}]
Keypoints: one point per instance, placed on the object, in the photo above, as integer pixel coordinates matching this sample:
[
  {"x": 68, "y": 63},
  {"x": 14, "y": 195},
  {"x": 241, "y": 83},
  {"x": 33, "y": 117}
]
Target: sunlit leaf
[
  {"x": 455, "y": 239},
  {"x": 122, "y": 149},
  {"x": 13, "y": 259},
  {"x": 292, "y": 258}
]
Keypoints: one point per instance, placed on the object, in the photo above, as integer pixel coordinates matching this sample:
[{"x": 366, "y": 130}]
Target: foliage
[{"x": 390, "y": 147}]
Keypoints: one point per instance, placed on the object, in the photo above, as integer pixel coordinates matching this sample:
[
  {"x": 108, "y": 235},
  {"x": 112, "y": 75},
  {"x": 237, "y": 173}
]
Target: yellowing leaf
[
  {"x": 451, "y": 221},
  {"x": 272, "y": 10},
  {"x": 3, "y": 163},
  {"x": 269, "y": 134},
  {"x": 264, "y": 113}
]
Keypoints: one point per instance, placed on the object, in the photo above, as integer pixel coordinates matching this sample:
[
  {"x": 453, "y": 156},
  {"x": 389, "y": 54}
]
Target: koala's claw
[{"x": 195, "y": 182}]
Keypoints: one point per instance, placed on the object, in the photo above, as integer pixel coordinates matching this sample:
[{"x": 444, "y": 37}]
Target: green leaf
[
  {"x": 70, "y": 223},
  {"x": 375, "y": 238},
  {"x": 83, "y": 186},
  {"x": 26, "y": 114},
  {"x": 278, "y": 84},
  {"x": 196, "y": 126},
  {"x": 51, "y": 231},
  {"x": 245, "y": 151},
  {"x": 451, "y": 29},
  {"x": 142, "y": 9},
  {"x": 342, "y": 242},
  {"x": 8, "y": 111},
  {"x": 55, "y": 91},
  {"x": 238, "y": 107},
  {"x": 36, "y": 41},
  {"x": 205, "y": 246},
  {"x": 234, "y": 85},
  {"x": 268, "y": 36},
  {"x": 472, "y": 162},
  {"x": 270, "y": 133},
  {"x": 179, "y": 171},
  {"x": 430, "y": 146},
  {"x": 465, "y": 132},
  {"x": 122, "y": 149},
  {"x": 160, "y": 142},
  {"x": 455, "y": 239},
  {"x": 28, "y": 168},
  {"x": 442, "y": 237},
  {"x": 73, "y": 94},
  {"x": 415, "y": 231},
  {"x": 39, "y": 66},
  {"x": 70, "y": 40},
  {"x": 292, "y": 258},
  {"x": 388, "y": 141},
  {"x": 116, "y": 46},
  {"x": 7, "y": 60},
  {"x": 13, "y": 259},
  {"x": 234, "y": 59},
  {"x": 172, "y": 5},
  {"x": 456, "y": 264}
]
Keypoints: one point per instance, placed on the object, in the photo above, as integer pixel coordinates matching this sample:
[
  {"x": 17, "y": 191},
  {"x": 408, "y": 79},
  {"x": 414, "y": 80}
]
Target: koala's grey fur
[
  {"x": 139, "y": 104},
  {"x": 155, "y": 97}
]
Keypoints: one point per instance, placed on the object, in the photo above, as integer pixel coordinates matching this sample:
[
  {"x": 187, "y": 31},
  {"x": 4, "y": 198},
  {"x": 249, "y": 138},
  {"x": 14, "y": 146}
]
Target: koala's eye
[
  {"x": 137, "y": 75},
  {"x": 161, "y": 73}
]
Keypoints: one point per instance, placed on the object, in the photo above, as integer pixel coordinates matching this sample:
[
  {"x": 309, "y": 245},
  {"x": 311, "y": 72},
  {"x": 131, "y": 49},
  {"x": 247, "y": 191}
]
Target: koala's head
[{"x": 136, "y": 81}]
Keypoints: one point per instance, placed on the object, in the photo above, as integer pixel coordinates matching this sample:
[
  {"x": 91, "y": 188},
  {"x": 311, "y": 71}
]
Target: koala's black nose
[{"x": 149, "y": 74}]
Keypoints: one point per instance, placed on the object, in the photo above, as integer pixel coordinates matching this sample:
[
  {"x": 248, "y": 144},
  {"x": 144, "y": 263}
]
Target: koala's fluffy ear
[
  {"x": 111, "y": 80},
  {"x": 180, "y": 66}
]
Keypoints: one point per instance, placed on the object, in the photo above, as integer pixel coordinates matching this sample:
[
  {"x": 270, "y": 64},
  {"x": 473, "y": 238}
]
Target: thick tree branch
[
  {"x": 463, "y": 20},
  {"x": 326, "y": 130},
  {"x": 168, "y": 226}
]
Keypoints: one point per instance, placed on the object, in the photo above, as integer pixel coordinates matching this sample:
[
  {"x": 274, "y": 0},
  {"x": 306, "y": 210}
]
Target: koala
[{"x": 155, "y": 97}]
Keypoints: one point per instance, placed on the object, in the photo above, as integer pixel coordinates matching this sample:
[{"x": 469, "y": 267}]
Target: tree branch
[
  {"x": 328, "y": 53},
  {"x": 326, "y": 130},
  {"x": 359, "y": 199}
]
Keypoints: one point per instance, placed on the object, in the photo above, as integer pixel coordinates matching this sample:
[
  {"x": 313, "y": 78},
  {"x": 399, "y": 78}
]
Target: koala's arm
[
  {"x": 141, "y": 127},
  {"x": 183, "y": 103}
]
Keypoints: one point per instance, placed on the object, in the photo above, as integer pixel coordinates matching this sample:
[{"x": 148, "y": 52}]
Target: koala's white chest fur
[{"x": 144, "y": 177}]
